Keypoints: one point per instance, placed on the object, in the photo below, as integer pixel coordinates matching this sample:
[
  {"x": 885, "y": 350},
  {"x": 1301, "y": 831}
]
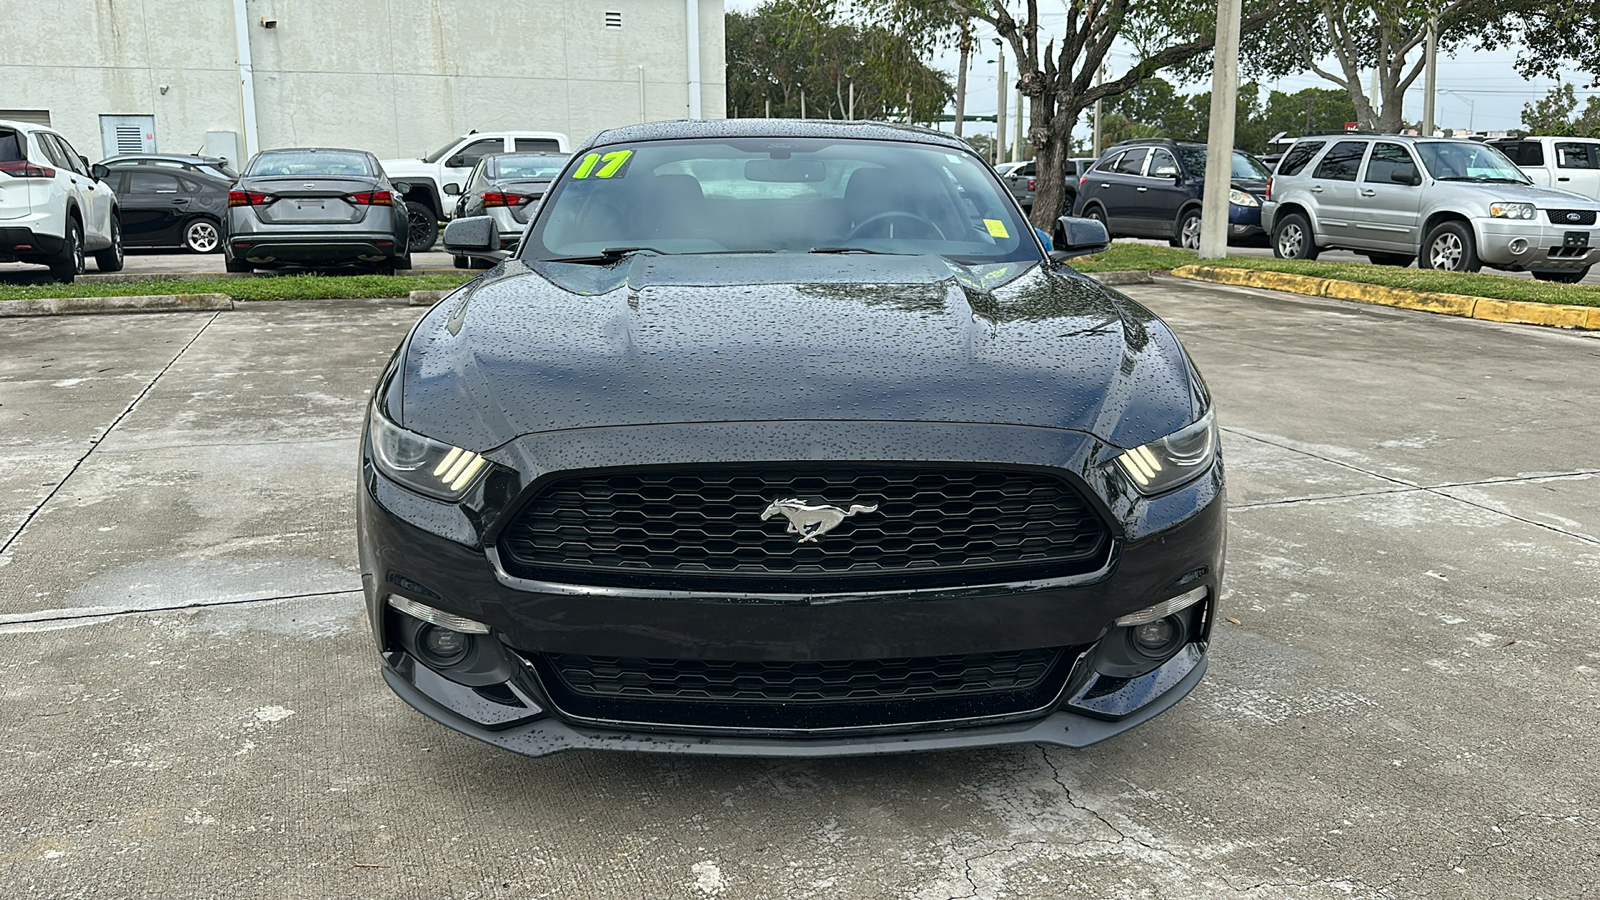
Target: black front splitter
[{"x": 546, "y": 735}]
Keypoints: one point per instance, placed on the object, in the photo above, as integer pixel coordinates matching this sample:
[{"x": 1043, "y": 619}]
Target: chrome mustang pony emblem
[{"x": 812, "y": 522}]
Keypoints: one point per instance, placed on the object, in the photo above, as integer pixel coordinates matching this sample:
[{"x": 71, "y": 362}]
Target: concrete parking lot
[{"x": 1402, "y": 704}]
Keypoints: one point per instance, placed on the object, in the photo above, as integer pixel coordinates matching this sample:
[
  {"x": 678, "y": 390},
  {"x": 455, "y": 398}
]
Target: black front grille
[
  {"x": 702, "y": 528},
  {"x": 1564, "y": 216},
  {"x": 802, "y": 695}
]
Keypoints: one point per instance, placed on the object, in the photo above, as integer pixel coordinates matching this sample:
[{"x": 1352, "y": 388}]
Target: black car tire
[
  {"x": 1186, "y": 233},
  {"x": 424, "y": 224},
  {"x": 461, "y": 262},
  {"x": 1449, "y": 247},
  {"x": 1391, "y": 259},
  {"x": 237, "y": 265},
  {"x": 1292, "y": 238},
  {"x": 110, "y": 259},
  {"x": 1572, "y": 277},
  {"x": 68, "y": 264},
  {"x": 474, "y": 262},
  {"x": 202, "y": 236},
  {"x": 403, "y": 261}
]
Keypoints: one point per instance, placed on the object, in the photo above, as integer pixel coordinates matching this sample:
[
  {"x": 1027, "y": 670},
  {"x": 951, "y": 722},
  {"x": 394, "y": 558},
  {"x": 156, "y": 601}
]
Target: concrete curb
[
  {"x": 128, "y": 277},
  {"x": 426, "y": 298},
  {"x": 1115, "y": 278},
  {"x": 68, "y": 306},
  {"x": 1517, "y": 312}
]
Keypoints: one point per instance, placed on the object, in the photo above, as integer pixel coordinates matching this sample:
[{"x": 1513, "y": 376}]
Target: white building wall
[{"x": 397, "y": 77}]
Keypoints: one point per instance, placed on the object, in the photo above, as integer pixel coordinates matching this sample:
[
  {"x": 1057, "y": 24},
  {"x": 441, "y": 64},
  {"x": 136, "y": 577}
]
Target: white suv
[{"x": 52, "y": 210}]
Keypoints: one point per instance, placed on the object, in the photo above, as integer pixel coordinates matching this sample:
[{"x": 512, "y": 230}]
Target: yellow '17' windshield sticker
[
  {"x": 602, "y": 166},
  {"x": 997, "y": 228}
]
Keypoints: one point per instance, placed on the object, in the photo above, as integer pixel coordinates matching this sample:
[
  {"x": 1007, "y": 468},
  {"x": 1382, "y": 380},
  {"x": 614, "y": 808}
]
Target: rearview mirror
[
  {"x": 792, "y": 171},
  {"x": 475, "y": 236},
  {"x": 1078, "y": 237}
]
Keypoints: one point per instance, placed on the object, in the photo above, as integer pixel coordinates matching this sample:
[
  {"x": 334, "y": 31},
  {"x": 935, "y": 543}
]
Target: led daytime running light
[
  {"x": 1163, "y": 609},
  {"x": 437, "y": 616}
]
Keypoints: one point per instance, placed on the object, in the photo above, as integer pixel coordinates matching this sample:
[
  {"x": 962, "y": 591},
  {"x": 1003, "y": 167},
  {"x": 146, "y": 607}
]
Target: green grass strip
[
  {"x": 281, "y": 287},
  {"x": 1125, "y": 256}
]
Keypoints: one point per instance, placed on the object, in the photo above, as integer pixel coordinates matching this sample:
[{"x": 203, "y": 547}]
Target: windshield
[
  {"x": 788, "y": 195},
  {"x": 438, "y": 154},
  {"x": 1245, "y": 166},
  {"x": 514, "y": 166},
  {"x": 1463, "y": 161},
  {"x": 308, "y": 163}
]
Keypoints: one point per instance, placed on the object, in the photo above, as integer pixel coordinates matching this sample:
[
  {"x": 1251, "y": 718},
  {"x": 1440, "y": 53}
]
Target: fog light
[
  {"x": 1155, "y": 639},
  {"x": 443, "y": 647},
  {"x": 1519, "y": 246}
]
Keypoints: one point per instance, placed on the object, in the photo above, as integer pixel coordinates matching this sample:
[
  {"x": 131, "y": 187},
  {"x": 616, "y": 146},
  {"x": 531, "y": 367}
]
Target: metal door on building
[{"x": 127, "y": 134}]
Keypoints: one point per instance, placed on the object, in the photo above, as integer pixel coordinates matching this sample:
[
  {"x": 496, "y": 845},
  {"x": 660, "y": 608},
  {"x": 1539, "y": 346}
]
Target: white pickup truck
[
  {"x": 1564, "y": 163},
  {"x": 426, "y": 177}
]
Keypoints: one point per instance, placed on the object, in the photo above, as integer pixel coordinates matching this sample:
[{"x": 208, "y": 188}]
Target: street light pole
[
  {"x": 1219, "y": 142},
  {"x": 1431, "y": 87},
  {"x": 1000, "y": 108}
]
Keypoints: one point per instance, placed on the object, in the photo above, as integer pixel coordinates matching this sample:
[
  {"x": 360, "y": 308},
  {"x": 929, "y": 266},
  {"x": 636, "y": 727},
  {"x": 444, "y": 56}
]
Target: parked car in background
[
  {"x": 505, "y": 187},
  {"x": 53, "y": 209},
  {"x": 425, "y": 201},
  {"x": 1153, "y": 188},
  {"x": 165, "y": 206},
  {"x": 1450, "y": 204},
  {"x": 215, "y": 166},
  {"x": 1006, "y": 168},
  {"x": 1567, "y": 163},
  {"x": 1023, "y": 182},
  {"x": 315, "y": 207}
]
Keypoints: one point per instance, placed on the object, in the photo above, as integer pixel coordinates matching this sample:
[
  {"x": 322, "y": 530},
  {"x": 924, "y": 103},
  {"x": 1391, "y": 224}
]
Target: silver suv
[{"x": 1448, "y": 204}]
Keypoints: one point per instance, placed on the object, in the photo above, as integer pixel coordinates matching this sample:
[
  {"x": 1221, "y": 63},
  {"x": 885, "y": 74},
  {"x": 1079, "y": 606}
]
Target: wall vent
[{"x": 613, "y": 20}]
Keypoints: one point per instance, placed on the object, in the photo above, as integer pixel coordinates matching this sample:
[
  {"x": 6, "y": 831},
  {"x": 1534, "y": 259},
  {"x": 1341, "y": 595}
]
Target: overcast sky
[{"x": 1476, "y": 90}]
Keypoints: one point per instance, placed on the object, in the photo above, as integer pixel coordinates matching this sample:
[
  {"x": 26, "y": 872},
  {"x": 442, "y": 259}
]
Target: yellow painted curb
[{"x": 1513, "y": 311}]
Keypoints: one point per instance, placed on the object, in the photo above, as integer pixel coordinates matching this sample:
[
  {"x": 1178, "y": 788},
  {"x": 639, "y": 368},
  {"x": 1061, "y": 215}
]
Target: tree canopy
[
  {"x": 784, "y": 49},
  {"x": 1557, "y": 114}
]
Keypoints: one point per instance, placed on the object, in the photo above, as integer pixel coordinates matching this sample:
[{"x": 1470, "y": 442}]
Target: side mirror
[
  {"x": 1165, "y": 172},
  {"x": 1078, "y": 237},
  {"x": 100, "y": 173},
  {"x": 402, "y": 187},
  {"x": 1406, "y": 175},
  {"x": 453, "y": 189},
  {"x": 476, "y": 236}
]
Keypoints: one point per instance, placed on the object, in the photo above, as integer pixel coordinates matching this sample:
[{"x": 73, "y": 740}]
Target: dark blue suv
[{"x": 1152, "y": 188}]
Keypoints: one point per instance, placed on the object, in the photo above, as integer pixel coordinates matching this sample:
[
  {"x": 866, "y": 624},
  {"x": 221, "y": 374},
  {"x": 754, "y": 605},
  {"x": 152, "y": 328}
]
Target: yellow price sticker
[
  {"x": 602, "y": 166},
  {"x": 996, "y": 228}
]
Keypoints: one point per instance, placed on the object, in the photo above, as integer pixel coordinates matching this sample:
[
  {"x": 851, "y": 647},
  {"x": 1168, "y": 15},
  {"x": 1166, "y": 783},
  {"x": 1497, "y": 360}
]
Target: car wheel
[
  {"x": 424, "y": 224},
  {"x": 68, "y": 264},
  {"x": 474, "y": 262},
  {"x": 201, "y": 236},
  {"x": 1391, "y": 259},
  {"x": 110, "y": 259},
  {"x": 1292, "y": 238},
  {"x": 237, "y": 265},
  {"x": 1098, "y": 214},
  {"x": 1187, "y": 234},
  {"x": 1563, "y": 277},
  {"x": 461, "y": 262},
  {"x": 1449, "y": 248}
]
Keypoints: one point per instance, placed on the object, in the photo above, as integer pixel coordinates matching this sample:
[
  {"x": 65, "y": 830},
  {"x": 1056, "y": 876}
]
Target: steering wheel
[{"x": 898, "y": 214}]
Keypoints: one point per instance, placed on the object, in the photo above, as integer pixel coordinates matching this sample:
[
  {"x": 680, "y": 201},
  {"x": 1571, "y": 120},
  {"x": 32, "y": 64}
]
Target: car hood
[
  {"x": 682, "y": 339},
  {"x": 1527, "y": 193},
  {"x": 397, "y": 169}
]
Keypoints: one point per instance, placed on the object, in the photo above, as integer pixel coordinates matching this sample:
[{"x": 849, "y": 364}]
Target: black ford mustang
[{"x": 781, "y": 437}]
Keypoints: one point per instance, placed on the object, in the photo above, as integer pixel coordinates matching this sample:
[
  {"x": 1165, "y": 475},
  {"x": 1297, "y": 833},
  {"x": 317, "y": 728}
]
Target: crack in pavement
[
  {"x": 94, "y": 443},
  {"x": 47, "y": 617},
  {"x": 1438, "y": 490}
]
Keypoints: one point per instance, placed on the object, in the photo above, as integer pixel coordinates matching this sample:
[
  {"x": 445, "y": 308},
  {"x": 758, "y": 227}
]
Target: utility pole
[
  {"x": 1431, "y": 86},
  {"x": 1016, "y": 130},
  {"x": 1375, "y": 100},
  {"x": 1219, "y": 142},
  {"x": 802, "y": 103},
  {"x": 961, "y": 76},
  {"x": 1099, "y": 75},
  {"x": 1000, "y": 108},
  {"x": 852, "y": 113}
]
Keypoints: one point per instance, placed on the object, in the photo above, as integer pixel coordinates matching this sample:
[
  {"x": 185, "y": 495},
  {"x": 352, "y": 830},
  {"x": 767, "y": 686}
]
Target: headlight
[
  {"x": 422, "y": 464},
  {"x": 1240, "y": 198},
  {"x": 1507, "y": 210},
  {"x": 1162, "y": 465}
]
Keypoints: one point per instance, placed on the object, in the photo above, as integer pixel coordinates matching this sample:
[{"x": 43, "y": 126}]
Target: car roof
[
  {"x": 689, "y": 129},
  {"x": 167, "y": 157}
]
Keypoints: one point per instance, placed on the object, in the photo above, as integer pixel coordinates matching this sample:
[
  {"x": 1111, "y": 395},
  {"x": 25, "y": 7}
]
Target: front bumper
[
  {"x": 433, "y": 553},
  {"x": 1534, "y": 246},
  {"x": 1244, "y": 221}
]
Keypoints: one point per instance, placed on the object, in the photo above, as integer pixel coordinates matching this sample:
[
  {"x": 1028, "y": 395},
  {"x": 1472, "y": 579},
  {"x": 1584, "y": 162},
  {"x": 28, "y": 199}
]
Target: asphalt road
[
  {"x": 168, "y": 262},
  {"x": 1403, "y": 703}
]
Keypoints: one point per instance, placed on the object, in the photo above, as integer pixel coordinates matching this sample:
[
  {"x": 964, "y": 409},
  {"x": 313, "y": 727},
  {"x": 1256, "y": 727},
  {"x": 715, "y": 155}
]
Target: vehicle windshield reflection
[{"x": 785, "y": 196}]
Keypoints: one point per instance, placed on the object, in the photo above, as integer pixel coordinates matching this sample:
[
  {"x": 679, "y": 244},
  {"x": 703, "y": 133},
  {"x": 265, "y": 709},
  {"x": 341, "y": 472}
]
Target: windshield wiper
[
  {"x": 856, "y": 250},
  {"x": 608, "y": 255}
]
